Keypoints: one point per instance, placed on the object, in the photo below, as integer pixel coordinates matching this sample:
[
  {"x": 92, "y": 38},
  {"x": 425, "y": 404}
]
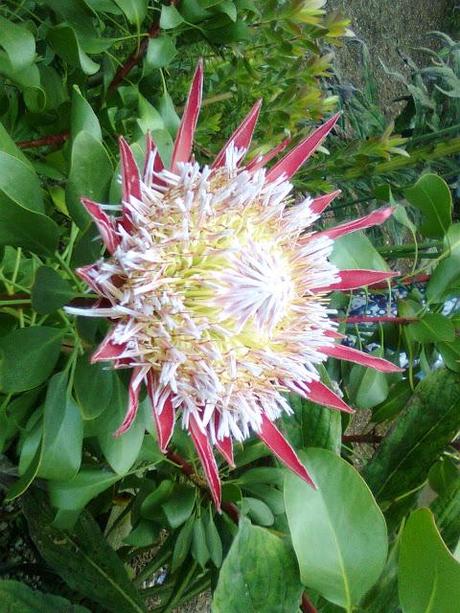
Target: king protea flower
[{"x": 216, "y": 288}]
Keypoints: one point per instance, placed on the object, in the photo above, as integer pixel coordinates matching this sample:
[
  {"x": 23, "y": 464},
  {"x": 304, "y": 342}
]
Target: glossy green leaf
[
  {"x": 446, "y": 509},
  {"x": 7, "y": 145},
  {"x": 338, "y": 531},
  {"x": 82, "y": 117},
  {"x": 50, "y": 291},
  {"x": 431, "y": 195},
  {"x": 64, "y": 40},
  {"x": 200, "y": 549},
  {"x": 213, "y": 540},
  {"x": 429, "y": 576},
  {"x": 152, "y": 503},
  {"x": 21, "y": 598},
  {"x": 367, "y": 387},
  {"x": 62, "y": 432},
  {"x": 160, "y": 53},
  {"x": 259, "y": 574},
  {"x": 356, "y": 251},
  {"x": 120, "y": 452},
  {"x": 432, "y": 328},
  {"x": 75, "y": 494},
  {"x": 397, "y": 399},
  {"x": 20, "y": 227},
  {"x": 135, "y": 10},
  {"x": 182, "y": 544},
  {"x": 82, "y": 558},
  {"x": 450, "y": 353},
  {"x": 170, "y": 17},
  {"x": 144, "y": 534},
  {"x": 18, "y": 42},
  {"x": 28, "y": 357},
  {"x": 93, "y": 384},
  {"x": 20, "y": 184},
  {"x": 90, "y": 175},
  {"x": 420, "y": 434},
  {"x": 179, "y": 505},
  {"x": 259, "y": 512},
  {"x": 442, "y": 279},
  {"x": 25, "y": 480}
]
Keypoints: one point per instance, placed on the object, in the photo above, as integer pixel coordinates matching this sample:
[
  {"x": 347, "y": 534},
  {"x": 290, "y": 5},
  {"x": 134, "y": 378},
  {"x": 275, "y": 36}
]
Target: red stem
[
  {"x": 52, "y": 139},
  {"x": 306, "y": 605},
  {"x": 368, "y": 319},
  {"x": 136, "y": 56}
]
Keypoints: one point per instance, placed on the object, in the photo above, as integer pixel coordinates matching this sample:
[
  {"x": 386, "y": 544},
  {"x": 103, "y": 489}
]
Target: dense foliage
[{"x": 111, "y": 524}]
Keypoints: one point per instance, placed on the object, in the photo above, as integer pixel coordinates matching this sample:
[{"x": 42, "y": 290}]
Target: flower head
[{"x": 216, "y": 286}]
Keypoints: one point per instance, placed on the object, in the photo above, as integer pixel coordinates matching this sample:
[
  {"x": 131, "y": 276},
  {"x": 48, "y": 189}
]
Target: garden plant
[{"x": 229, "y": 327}]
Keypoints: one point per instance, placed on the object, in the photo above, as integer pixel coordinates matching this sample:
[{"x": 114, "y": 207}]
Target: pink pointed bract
[{"x": 216, "y": 286}]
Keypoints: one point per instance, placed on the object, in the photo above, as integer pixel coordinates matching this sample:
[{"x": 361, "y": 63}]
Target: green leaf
[
  {"x": 28, "y": 357},
  {"x": 442, "y": 280},
  {"x": 62, "y": 432},
  {"x": 429, "y": 576},
  {"x": 83, "y": 118},
  {"x": 7, "y": 145},
  {"x": 182, "y": 544},
  {"x": 259, "y": 574},
  {"x": 356, "y": 251},
  {"x": 121, "y": 452},
  {"x": 82, "y": 558},
  {"x": 338, "y": 531},
  {"x": 160, "y": 53},
  {"x": 450, "y": 353},
  {"x": 20, "y": 227},
  {"x": 258, "y": 511},
  {"x": 420, "y": 434},
  {"x": 200, "y": 549},
  {"x": 179, "y": 505},
  {"x": 144, "y": 534},
  {"x": 213, "y": 540},
  {"x": 90, "y": 175},
  {"x": 18, "y": 43},
  {"x": 432, "y": 328},
  {"x": 50, "y": 291},
  {"x": 446, "y": 509},
  {"x": 75, "y": 494},
  {"x": 170, "y": 17},
  {"x": 135, "y": 10},
  {"x": 431, "y": 195},
  {"x": 20, "y": 184},
  {"x": 312, "y": 425},
  {"x": 368, "y": 387},
  {"x": 18, "y": 597},
  {"x": 93, "y": 384},
  {"x": 22, "y": 484},
  {"x": 64, "y": 40},
  {"x": 397, "y": 399},
  {"x": 152, "y": 503}
]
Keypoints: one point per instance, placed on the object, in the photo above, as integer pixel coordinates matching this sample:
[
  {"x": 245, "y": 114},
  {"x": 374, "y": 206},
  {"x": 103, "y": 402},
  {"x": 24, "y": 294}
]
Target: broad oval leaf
[
  {"x": 62, "y": 432},
  {"x": 83, "y": 118},
  {"x": 65, "y": 42},
  {"x": 20, "y": 184},
  {"x": 90, "y": 175},
  {"x": 432, "y": 328},
  {"x": 160, "y": 52},
  {"x": 75, "y": 494},
  {"x": 338, "y": 531},
  {"x": 21, "y": 227},
  {"x": 93, "y": 384},
  {"x": 429, "y": 576},
  {"x": 356, "y": 251},
  {"x": 121, "y": 452},
  {"x": 28, "y": 357},
  {"x": 18, "y": 43},
  {"x": 50, "y": 291},
  {"x": 259, "y": 574},
  {"x": 431, "y": 195},
  {"x": 134, "y": 10}
]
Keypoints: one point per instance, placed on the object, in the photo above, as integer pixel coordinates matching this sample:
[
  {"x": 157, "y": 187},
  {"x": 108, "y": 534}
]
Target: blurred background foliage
[{"x": 100, "y": 524}]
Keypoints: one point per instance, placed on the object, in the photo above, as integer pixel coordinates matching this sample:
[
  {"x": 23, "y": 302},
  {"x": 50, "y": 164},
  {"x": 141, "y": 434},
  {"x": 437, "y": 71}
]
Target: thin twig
[
  {"x": 136, "y": 56},
  {"x": 51, "y": 139}
]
